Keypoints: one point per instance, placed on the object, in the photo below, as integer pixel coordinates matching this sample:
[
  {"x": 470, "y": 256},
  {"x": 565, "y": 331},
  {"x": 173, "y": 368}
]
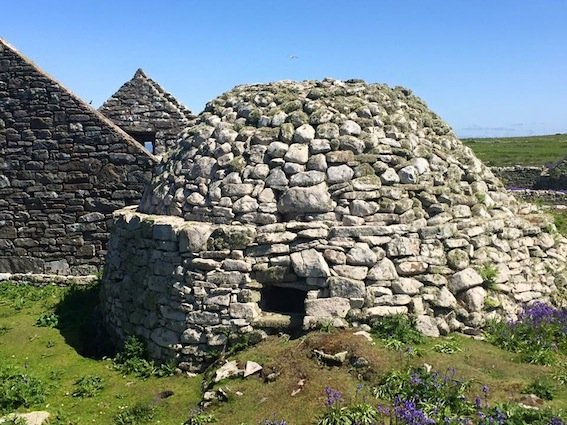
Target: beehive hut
[
  {"x": 152, "y": 116},
  {"x": 316, "y": 202},
  {"x": 64, "y": 168}
]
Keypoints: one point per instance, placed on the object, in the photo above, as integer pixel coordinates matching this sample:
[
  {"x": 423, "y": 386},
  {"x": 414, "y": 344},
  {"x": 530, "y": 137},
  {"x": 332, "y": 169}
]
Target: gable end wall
[{"x": 63, "y": 170}]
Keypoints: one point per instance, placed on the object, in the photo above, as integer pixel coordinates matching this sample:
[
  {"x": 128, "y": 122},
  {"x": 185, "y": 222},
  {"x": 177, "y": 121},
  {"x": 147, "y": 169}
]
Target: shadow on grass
[{"x": 80, "y": 322}]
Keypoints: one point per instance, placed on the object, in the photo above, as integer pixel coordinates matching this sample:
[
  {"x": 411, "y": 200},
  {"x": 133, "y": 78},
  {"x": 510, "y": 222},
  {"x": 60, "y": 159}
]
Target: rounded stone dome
[
  {"x": 304, "y": 203},
  {"x": 342, "y": 151}
]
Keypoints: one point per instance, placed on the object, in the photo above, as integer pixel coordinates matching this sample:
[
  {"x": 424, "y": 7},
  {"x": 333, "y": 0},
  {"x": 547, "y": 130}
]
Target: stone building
[
  {"x": 64, "y": 168},
  {"x": 302, "y": 203},
  {"x": 147, "y": 113}
]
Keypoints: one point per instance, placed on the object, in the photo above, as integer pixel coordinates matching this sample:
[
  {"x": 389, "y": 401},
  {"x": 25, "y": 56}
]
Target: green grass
[
  {"x": 61, "y": 357},
  {"x": 533, "y": 150},
  {"x": 83, "y": 387}
]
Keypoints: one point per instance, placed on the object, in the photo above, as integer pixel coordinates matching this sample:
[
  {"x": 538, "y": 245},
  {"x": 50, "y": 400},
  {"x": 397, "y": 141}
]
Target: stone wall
[
  {"x": 537, "y": 178},
  {"x": 186, "y": 287},
  {"x": 142, "y": 108},
  {"x": 520, "y": 177},
  {"x": 64, "y": 168},
  {"x": 301, "y": 203}
]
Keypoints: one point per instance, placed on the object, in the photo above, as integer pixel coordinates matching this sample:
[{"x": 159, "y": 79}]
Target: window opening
[{"x": 146, "y": 138}]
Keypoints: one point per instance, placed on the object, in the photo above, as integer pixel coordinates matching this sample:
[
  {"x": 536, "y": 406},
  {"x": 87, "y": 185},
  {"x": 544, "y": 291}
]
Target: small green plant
[
  {"x": 434, "y": 393},
  {"x": 47, "y": 320},
  {"x": 199, "y": 417},
  {"x": 88, "y": 386},
  {"x": 561, "y": 375},
  {"x": 14, "y": 420},
  {"x": 491, "y": 303},
  {"x": 448, "y": 346},
  {"x": 338, "y": 412},
  {"x": 4, "y": 329},
  {"x": 488, "y": 273},
  {"x": 327, "y": 326},
  {"x": 542, "y": 389},
  {"x": 19, "y": 389},
  {"x": 132, "y": 360},
  {"x": 137, "y": 414},
  {"x": 398, "y": 327}
]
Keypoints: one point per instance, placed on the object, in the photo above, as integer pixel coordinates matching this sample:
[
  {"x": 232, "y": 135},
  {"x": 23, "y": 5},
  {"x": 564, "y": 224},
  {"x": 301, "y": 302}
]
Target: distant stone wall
[
  {"x": 519, "y": 176},
  {"x": 550, "y": 197},
  {"x": 538, "y": 178},
  {"x": 64, "y": 169},
  {"x": 187, "y": 287}
]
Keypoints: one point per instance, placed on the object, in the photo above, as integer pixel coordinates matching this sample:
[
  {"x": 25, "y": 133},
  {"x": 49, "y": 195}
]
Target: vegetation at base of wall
[
  {"x": 63, "y": 366},
  {"x": 51, "y": 356},
  {"x": 529, "y": 151},
  {"x": 397, "y": 330},
  {"x": 133, "y": 360},
  {"x": 489, "y": 274},
  {"x": 539, "y": 334}
]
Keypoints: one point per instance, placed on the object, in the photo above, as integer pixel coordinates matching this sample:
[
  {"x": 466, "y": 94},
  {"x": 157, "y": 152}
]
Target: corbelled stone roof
[{"x": 343, "y": 151}]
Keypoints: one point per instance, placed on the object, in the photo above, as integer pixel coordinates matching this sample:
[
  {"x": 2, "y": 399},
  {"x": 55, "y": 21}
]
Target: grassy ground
[
  {"x": 534, "y": 150},
  {"x": 54, "y": 357},
  {"x": 60, "y": 356},
  {"x": 252, "y": 400}
]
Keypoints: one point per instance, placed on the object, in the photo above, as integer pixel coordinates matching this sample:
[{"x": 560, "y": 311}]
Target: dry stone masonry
[
  {"x": 143, "y": 109},
  {"x": 64, "y": 168},
  {"x": 320, "y": 202}
]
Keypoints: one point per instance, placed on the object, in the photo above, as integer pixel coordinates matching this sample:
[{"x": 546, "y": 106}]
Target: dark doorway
[
  {"x": 146, "y": 138},
  {"x": 278, "y": 299}
]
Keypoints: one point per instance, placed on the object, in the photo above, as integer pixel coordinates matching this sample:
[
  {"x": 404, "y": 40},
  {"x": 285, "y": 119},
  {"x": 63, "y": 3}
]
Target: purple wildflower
[
  {"x": 407, "y": 413},
  {"x": 333, "y": 396}
]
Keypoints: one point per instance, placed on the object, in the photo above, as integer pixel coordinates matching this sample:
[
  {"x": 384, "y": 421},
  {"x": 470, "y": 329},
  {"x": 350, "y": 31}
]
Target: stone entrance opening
[{"x": 285, "y": 300}]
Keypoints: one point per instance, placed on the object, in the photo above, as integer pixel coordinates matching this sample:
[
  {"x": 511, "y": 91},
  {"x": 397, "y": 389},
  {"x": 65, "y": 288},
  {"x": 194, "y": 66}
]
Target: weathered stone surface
[
  {"x": 383, "y": 270},
  {"x": 427, "y": 326},
  {"x": 346, "y": 288},
  {"x": 155, "y": 112},
  {"x": 361, "y": 255},
  {"x": 464, "y": 280},
  {"x": 407, "y": 286},
  {"x": 64, "y": 169},
  {"x": 327, "y": 307},
  {"x": 247, "y": 311},
  {"x": 339, "y": 174},
  {"x": 400, "y": 247},
  {"x": 309, "y": 263},
  {"x": 474, "y": 298},
  {"x": 353, "y": 272},
  {"x": 297, "y": 153},
  {"x": 302, "y": 200},
  {"x": 381, "y": 311}
]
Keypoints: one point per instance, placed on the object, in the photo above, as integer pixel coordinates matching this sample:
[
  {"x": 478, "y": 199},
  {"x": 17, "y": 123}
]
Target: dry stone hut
[
  {"x": 148, "y": 113},
  {"x": 315, "y": 202},
  {"x": 64, "y": 168}
]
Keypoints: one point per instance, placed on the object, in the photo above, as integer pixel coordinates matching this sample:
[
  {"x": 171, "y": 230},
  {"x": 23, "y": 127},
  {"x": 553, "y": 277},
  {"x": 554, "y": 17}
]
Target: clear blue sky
[{"x": 489, "y": 68}]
